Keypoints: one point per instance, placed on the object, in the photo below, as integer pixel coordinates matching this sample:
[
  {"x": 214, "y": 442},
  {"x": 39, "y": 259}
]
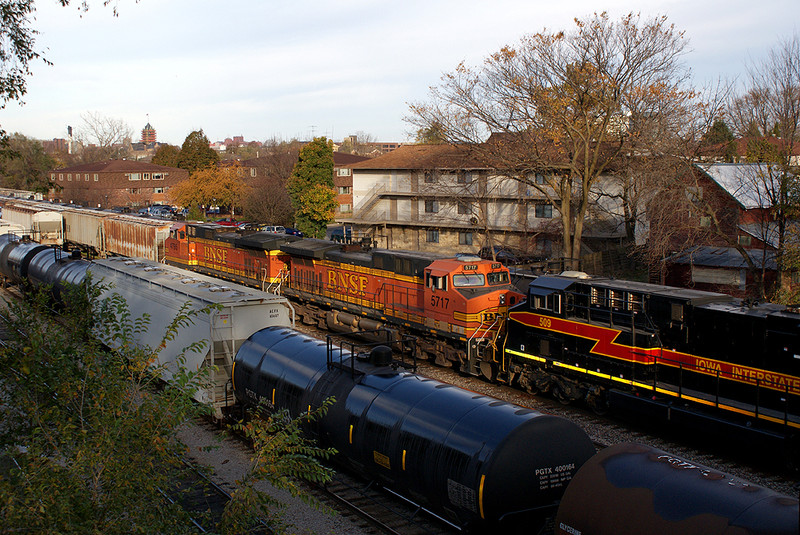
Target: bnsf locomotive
[
  {"x": 693, "y": 357},
  {"x": 459, "y": 303}
]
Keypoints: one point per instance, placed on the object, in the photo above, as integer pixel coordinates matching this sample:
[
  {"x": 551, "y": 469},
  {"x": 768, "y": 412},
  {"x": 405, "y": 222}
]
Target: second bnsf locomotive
[
  {"x": 697, "y": 358},
  {"x": 459, "y": 303}
]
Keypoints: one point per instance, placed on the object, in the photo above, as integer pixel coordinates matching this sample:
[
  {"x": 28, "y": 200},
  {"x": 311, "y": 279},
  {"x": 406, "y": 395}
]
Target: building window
[
  {"x": 430, "y": 177},
  {"x": 134, "y": 176},
  {"x": 345, "y": 208},
  {"x": 543, "y": 211},
  {"x": 342, "y": 172},
  {"x": 52, "y": 177},
  {"x": 146, "y": 176},
  {"x": 464, "y": 208},
  {"x": 95, "y": 177},
  {"x": 465, "y": 238},
  {"x": 61, "y": 177},
  {"x": 158, "y": 190},
  {"x": 344, "y": 190},
  {"x": 432, "y": 236},
  {"x": 538, "y": 179},
  {"x": 159, "y": 176},
  {"x": 69, "y": 177},
  {"x": 431, "y": 207},
  {"x": 135, "y": 191},
  {"x": 253, "y": 172},
  {"x": 745, "y": 241},
  {"x": 464, "y": 178}
]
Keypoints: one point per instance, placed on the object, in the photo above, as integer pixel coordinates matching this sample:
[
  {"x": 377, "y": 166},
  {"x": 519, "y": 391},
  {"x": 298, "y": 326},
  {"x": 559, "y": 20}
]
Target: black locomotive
[{"x": 698, "y": 358}]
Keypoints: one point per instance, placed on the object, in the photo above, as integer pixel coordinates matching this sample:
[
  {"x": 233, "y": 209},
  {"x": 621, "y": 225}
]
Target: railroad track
[{"x": 379, "y": 510}]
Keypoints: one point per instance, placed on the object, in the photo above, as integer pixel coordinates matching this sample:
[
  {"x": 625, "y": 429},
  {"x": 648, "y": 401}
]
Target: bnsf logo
[
  {"x": 216, "y": 254},
  {"x": 349, "y": 282}
]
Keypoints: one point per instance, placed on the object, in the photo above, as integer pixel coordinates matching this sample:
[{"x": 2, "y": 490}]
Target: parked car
[
  {"x": 227, "y": 221},
  {"x": 277, "y": 229},
  {"x": 293, "y": 231},
  {"x": 341, "y": 234},
  {"x": 503, "y": 254}
]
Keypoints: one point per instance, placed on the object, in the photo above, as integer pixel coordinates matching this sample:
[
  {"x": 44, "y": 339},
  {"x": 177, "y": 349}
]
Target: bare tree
[
  {"x": 560, "y": 104},
  {"x": 103, "y": 137},
  {"x": 359, "y": 143},
  {"x": 268, "y": 199},
  {"x": 767, "y": 116}
]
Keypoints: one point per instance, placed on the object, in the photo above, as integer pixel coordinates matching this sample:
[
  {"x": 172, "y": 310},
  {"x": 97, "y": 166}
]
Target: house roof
[
  {"x": 424, "y": 157},
  {"x": 116, "y": 166},
  {"x": 723, "y": 257},
  {"x": 343, "y": 158},
  {"x": 743, "y": 181}
]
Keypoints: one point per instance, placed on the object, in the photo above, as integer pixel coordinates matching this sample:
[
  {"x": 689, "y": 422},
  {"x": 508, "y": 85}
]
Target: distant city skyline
[{"x": 262, "y": 70}]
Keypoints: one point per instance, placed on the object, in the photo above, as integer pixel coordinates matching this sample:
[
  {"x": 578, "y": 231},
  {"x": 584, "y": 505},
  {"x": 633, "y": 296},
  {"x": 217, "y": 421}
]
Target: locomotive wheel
[
  {"x": 527, "y": 385},
  {"x": 441, "y": 360},
  {"x": 560, "y": 395},
  {"x": 598, "y": 403}
]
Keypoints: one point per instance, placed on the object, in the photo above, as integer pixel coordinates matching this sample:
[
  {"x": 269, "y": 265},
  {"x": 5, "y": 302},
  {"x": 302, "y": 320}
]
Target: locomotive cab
[{"x": 469, "y": 296}]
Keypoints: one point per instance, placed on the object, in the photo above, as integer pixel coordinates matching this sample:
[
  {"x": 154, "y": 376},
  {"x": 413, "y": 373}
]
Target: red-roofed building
[{"x": 114, "y": 183}]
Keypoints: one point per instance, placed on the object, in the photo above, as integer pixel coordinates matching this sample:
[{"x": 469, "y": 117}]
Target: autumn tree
[
  {"x": 310, "y": 187},
  {"x": 211, "y": 186},
  {"x": 196, "y": 153},
  {"x": 560, "y": 104},
  {"x": 25, "y": 165}
]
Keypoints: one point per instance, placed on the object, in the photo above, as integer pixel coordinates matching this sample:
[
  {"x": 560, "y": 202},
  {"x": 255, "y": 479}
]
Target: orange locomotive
[{"x": 459, "y": 303}]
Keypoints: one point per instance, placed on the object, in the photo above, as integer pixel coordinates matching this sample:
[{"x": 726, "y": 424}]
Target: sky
[{"x": 268, "y": 69}]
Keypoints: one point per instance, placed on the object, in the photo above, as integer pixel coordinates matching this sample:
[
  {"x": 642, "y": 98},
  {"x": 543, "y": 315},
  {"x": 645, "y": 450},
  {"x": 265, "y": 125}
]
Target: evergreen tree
[
  {"x": 311, "y": 187},
  {"x": 168, "y": 155},
  {"x": 196, "y": 153}
]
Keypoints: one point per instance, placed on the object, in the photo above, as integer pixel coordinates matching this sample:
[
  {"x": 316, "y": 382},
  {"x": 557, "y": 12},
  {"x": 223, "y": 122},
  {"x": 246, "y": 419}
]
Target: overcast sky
[{"x": 299, "y": 68}]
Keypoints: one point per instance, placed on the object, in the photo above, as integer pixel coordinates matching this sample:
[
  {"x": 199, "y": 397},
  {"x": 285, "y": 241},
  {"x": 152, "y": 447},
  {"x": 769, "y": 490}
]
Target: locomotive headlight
[{"x": 502, "y": 299}]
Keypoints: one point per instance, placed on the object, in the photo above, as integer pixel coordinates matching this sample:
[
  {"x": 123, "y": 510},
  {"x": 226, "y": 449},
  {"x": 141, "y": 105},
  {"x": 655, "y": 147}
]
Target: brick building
[
  {"x": 343, "y": 182},
  {"x": 114, "y": 183}
]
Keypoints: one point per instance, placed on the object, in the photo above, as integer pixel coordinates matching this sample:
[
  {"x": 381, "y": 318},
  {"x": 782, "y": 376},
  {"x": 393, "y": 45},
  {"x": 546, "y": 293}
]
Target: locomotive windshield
[
  {"x": 498, "y": 277},
  {"x": 462, "y": 280}
]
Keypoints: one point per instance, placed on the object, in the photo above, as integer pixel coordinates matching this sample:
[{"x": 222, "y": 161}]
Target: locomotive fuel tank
[
  {"x": 633, "y": 488},
  {"x": 468, "y": 457}
]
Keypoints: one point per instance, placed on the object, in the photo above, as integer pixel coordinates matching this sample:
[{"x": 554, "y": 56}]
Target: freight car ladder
[
  {"x": 223, "y": 348},
  {"x": 482, "y": 347}
]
